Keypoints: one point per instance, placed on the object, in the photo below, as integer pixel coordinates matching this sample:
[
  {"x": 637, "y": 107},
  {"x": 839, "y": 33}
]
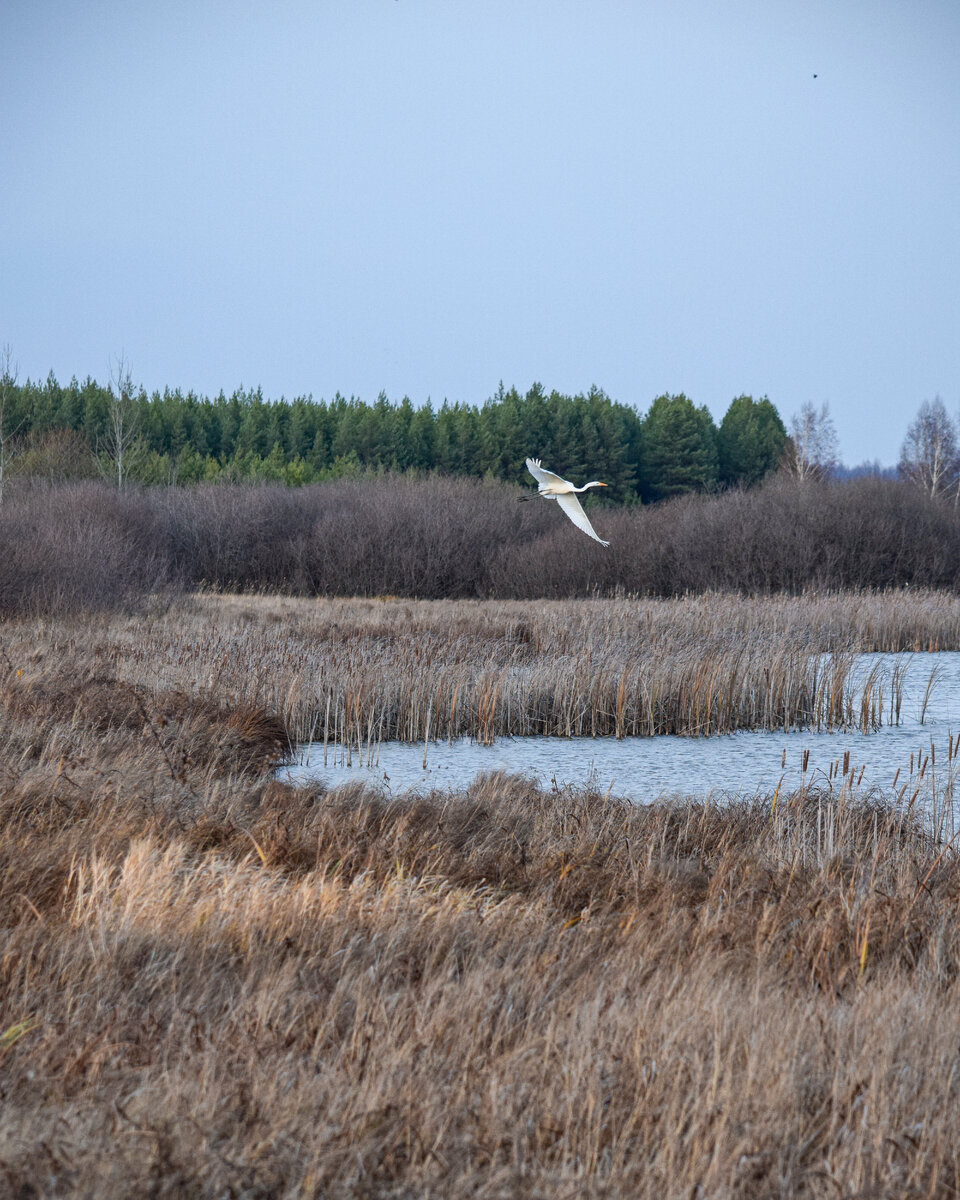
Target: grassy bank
[{"x": 212, "y": 984}]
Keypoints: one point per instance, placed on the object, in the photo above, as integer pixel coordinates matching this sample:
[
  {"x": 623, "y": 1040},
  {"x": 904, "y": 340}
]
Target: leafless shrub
[
  {"x": 436, "y": 537},
  {"x": 55, "y": 456},
  {"x": 78, "y": 547}
]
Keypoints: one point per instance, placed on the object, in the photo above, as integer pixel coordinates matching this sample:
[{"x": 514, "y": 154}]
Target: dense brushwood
[{"x": 83, "y": 546}]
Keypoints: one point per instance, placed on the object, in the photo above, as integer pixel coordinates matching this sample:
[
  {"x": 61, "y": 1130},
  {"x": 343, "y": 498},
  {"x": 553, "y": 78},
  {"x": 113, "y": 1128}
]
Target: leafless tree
[
  {"x": 8, "y": 381},
  {"x": 929, "y": 456},
  {"x": 812, "y": 448},
  {"x": 122, "y": 433}
]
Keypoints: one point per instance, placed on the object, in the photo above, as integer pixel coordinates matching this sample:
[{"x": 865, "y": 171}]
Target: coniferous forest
[{"x": 71, "y": 431}]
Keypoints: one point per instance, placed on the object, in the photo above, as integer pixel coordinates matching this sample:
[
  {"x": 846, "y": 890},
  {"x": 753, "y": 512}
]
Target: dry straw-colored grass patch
[
  {"x": 212, "y": 984},
  {"x": 352, "y": 673}
]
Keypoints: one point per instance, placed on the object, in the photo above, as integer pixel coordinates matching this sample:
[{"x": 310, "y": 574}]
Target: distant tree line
[{"x": 119, "y": 432}]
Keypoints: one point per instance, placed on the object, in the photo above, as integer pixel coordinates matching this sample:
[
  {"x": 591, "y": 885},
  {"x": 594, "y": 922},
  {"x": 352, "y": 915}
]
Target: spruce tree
[
  {"x": 679, "y": 448},
  {"x": 750, "y": 441}
]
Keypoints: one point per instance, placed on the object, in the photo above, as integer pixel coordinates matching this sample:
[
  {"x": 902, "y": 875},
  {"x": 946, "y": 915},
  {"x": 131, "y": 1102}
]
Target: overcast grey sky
[{"x": 429, "y": 196}]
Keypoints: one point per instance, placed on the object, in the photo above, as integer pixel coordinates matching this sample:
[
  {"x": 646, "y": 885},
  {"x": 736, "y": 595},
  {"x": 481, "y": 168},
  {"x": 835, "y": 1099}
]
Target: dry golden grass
[
  {"x": 215, "y": 985},
  {"x": 357, "y": 672}
]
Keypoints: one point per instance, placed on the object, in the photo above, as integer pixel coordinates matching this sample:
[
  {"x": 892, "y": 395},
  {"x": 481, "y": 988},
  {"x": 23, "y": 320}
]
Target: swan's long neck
[{"x": 593, "y": 483}]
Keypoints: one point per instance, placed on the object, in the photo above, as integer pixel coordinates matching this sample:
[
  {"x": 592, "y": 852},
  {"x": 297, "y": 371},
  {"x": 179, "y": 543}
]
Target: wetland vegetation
[{"x": 212, "y": 983}]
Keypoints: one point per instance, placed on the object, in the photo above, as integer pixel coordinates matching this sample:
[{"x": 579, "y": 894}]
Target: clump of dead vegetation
[
  {"x": 213, "y": 984},
  {"x": 352, "y": 673}
]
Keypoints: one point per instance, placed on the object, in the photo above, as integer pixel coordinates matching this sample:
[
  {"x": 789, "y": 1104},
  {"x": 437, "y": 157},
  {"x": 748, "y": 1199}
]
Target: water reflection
[{"x": 919, "y": 751}]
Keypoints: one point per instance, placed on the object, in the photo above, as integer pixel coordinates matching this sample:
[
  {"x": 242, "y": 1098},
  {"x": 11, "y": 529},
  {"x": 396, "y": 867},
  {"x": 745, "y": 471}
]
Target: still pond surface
[{"x": 728, "y": 765}]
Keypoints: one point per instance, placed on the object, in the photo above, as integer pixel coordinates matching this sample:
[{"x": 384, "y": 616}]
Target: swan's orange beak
[{"x": 603, "y": 485}]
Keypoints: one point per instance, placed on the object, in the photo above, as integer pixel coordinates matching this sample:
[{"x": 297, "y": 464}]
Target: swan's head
[{"x": 595, "y": 483}]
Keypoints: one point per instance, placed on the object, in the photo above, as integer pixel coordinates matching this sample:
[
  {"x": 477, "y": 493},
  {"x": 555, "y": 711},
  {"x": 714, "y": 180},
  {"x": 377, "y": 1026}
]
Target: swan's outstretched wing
[
  {"x": 543, "y": 477},
  {"x": 574, "y": 510}
]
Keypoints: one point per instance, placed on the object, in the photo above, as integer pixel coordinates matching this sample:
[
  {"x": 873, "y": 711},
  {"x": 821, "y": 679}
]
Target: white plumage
[{"x": 552, "y": 487}]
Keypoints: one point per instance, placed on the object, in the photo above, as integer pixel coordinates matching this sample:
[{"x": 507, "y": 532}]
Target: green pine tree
[
  {"x": 750, "y": 441},
  {"x": 679, "y": 448}
]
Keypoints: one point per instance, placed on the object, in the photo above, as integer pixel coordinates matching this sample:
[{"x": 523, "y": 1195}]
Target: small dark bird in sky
[{"x": 814, "y": 74}]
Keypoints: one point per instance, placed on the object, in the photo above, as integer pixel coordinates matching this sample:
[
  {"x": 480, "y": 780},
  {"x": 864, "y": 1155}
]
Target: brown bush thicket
[
  {"x": 369, "y": 536},
  {"x": 79, "y": 547},
  {"x": 84, "y": 544}
]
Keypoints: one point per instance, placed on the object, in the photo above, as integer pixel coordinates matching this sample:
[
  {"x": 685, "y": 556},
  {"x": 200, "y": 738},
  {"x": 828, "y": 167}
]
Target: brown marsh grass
[
  {"x": 356, "y": 672},
  {"x": 215, "y": 985}
]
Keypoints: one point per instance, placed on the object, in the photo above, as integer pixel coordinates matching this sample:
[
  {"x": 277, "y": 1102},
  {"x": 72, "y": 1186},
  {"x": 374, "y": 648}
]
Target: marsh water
[{"x": 922, "y": 747}]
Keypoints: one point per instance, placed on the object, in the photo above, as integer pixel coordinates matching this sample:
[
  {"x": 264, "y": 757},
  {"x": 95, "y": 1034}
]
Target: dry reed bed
[
  {"x": 212, "y": 984},
  {"x": 360, "y": 671},
  {"x": 505, "y": 993}
]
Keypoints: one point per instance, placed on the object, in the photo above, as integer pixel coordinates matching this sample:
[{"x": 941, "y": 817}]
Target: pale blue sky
[{"x": 429, "y": 196}]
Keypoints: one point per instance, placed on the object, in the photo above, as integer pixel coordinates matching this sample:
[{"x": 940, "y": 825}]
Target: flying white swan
[{"x": 552, "y": 487}]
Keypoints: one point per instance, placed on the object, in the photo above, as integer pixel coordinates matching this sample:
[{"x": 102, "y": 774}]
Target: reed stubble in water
[
  {"x": 351, "y": 673},
  {"x": 212, "y": 984}
]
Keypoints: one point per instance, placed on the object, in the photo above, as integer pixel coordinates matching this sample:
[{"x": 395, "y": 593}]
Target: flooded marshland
[
  {"x": 902, "y": 732},
  {"x": 193, "y": 947},
  {"x": 697, "y": 695}
]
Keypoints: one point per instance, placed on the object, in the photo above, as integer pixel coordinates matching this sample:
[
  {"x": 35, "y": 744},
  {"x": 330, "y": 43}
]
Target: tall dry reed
[
  {"x": 353, "y": 673},
  {"x": 506, "y": 992},
  {"x": 212, "y": 984}
]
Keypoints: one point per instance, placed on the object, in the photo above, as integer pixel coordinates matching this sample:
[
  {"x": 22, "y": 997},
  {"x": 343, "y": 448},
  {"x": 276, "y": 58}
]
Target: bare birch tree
[
  {"x": 122, "y": 433},
  {"x": 929, "y": 455},
  {"x": 812, "y": 449},
  {"x": 8, "y": 380}
]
